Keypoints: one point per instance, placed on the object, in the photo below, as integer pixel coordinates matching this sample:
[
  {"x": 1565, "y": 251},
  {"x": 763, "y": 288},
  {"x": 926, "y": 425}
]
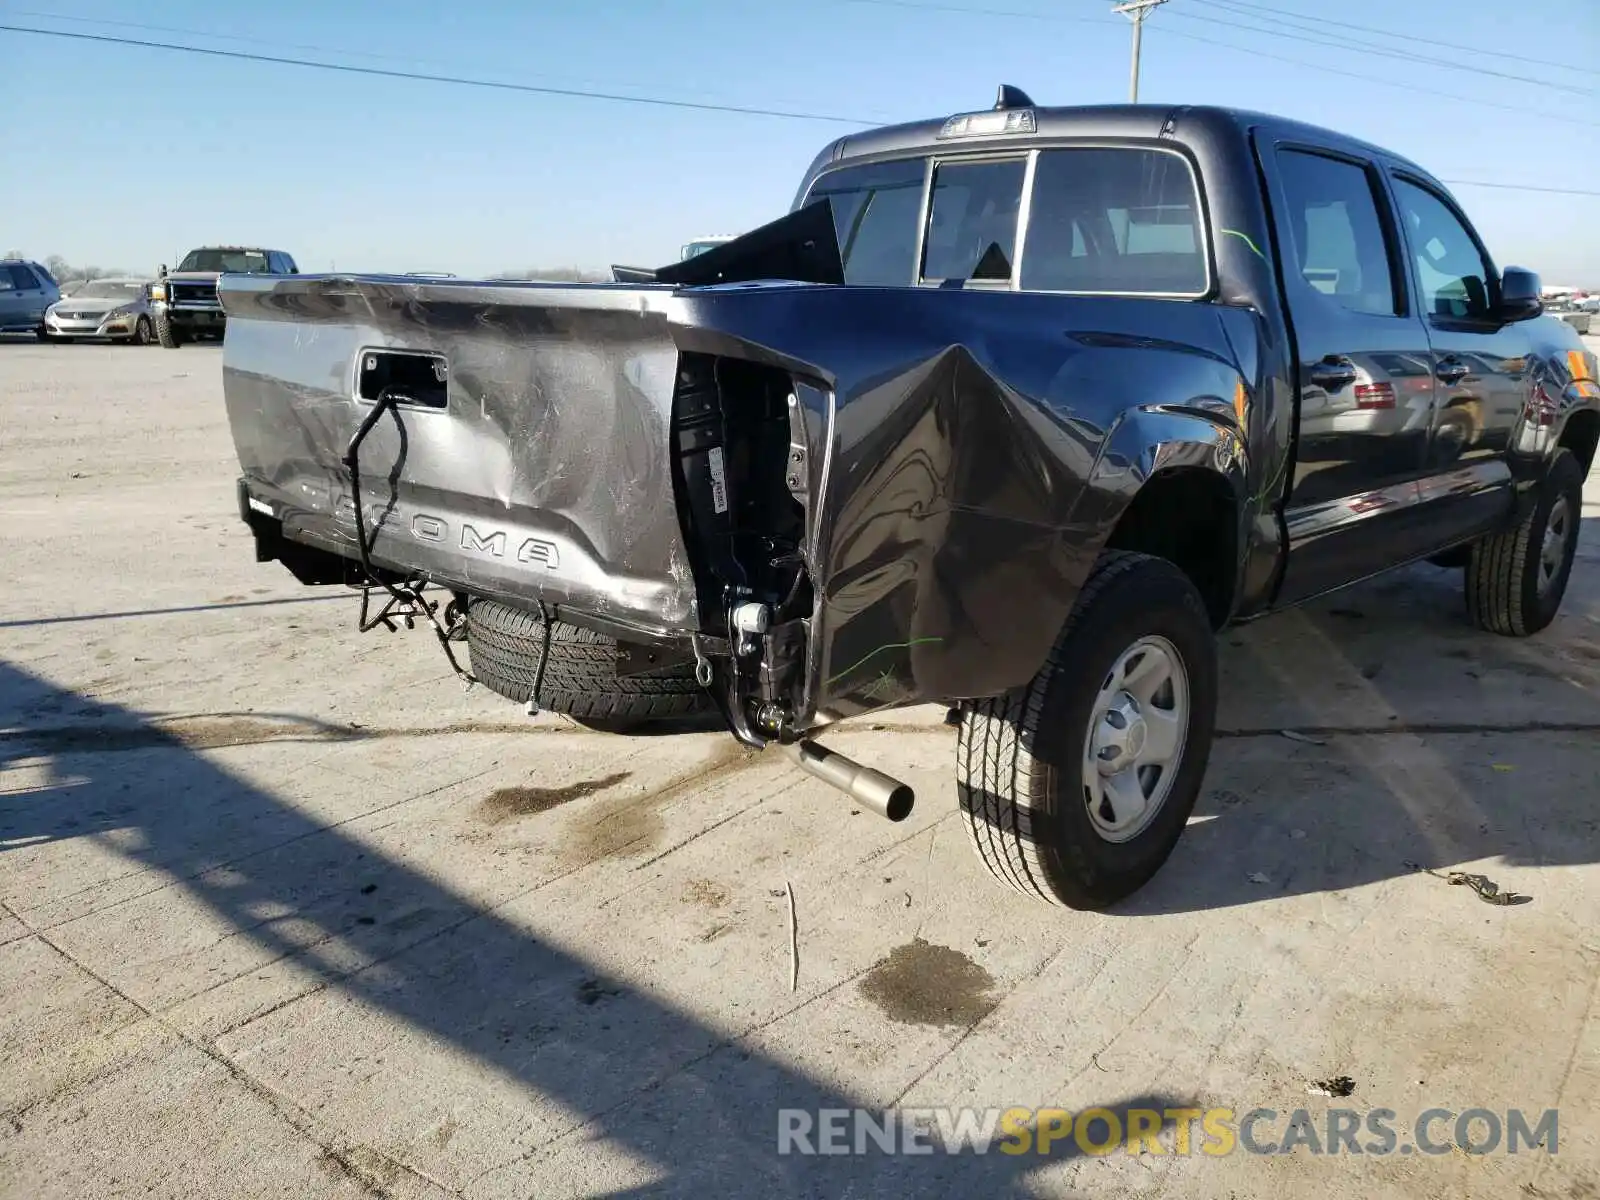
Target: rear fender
[{"x": 1146, "y": 441}]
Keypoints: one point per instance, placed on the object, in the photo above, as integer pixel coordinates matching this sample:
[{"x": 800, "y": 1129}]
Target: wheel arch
[
  {"x": 1174, "y": 485},
  {"x": 1581, "y": 435}
]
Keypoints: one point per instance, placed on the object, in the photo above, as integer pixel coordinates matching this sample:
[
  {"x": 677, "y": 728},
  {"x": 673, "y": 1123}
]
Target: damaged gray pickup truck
[{"x": 1012, "y": 412}]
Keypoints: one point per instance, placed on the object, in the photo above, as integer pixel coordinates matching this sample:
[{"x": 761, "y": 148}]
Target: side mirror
[
  {"x": 161, "y": 271},
  {"x": 1520, "y": 297}
]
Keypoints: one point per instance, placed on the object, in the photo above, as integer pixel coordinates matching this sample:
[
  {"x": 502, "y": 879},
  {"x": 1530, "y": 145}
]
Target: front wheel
[
  {"x": 1077, "y": 786},
  {"x": 166, "y": 331},
  {"x": 1516, "y": 579},
  {"x": 141, "y": 332}
]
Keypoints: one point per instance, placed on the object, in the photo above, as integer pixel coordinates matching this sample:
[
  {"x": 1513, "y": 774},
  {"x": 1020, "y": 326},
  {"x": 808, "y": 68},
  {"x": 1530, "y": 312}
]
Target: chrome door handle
[
  {"x": 1333, "y": 372},
  {"x": 1451, "y": 370}
]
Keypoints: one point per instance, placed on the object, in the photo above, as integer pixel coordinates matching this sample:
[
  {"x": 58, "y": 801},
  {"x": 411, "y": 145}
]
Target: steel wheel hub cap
[
  {"x": 1137, "y": 730},
  {"x": 1553, "y": 552}
]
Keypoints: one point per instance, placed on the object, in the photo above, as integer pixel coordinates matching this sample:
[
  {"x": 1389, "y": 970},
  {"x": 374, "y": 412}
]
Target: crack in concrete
[
  {"x": 726, "y": 1043},
  {"x": 725, "y": 764},
  {"x": 281, "y": 1106}
]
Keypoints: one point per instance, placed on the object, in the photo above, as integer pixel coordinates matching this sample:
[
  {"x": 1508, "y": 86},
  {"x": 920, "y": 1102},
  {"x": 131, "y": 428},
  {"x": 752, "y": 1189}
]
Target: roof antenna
[{"x": 1012, "y": 97}]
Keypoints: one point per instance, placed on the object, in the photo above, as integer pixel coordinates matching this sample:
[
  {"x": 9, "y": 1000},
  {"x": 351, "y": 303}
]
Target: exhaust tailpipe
[{"x": 873, "y": 790}]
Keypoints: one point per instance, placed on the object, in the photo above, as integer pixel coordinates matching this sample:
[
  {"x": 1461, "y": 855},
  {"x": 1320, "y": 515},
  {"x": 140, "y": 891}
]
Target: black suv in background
[{"x": 184, "y": 301}]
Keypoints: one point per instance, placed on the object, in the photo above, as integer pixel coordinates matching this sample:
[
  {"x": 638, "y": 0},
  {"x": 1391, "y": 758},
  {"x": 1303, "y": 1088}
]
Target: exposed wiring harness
[{"x": 404, "y": 600}]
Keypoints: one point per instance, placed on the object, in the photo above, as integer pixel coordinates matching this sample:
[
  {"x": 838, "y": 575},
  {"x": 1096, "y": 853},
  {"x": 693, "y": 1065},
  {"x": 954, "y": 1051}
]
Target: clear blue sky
[{"x": 128, "y": 156}]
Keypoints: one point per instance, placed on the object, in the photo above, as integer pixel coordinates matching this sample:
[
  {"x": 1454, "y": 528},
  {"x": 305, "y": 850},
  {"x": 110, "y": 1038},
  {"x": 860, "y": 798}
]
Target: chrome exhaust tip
[{"x": 873, "y": 790}]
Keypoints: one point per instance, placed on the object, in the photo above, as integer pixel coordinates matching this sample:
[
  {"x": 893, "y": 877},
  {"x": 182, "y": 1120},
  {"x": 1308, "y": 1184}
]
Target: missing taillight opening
[{"x": 745, "y": 526}]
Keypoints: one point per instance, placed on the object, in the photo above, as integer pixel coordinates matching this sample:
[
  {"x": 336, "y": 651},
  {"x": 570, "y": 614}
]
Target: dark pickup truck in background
[
  {"x": 184, "y": 302},
  {"x": 1012, "y": 412}
]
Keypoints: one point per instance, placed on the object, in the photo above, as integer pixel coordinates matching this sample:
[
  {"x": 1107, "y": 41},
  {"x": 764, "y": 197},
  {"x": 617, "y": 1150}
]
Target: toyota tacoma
[{"x": 1012, "y": 412}]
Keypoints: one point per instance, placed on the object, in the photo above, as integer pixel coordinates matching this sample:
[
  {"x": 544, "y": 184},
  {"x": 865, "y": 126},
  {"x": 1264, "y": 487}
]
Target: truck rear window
[{"x": 1100, "y": 221}]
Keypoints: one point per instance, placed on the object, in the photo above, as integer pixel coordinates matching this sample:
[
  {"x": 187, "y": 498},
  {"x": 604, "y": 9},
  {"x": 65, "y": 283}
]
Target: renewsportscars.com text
[{"x": 1182, "y": 1131}]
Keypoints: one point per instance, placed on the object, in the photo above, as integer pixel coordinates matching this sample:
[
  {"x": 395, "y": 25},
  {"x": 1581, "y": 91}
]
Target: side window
[
  {"x": 1450, "y": 268},
  {"x": 7, "y": 283},
  {"x": 289, "y": 265},
  {"x": 22, "y": 279},
  {"x": 875, "y": 211},
  {"x": 1114, "y": 221},
  {"x": 1339, "y": 243},
  {"x": 972, "y": 220}
]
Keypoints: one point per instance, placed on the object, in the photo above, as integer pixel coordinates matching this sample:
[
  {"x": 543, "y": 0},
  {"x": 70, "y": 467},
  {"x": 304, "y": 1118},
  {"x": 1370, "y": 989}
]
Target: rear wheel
[
  {"x": 166, "y": 332},
  {"x": 571, "y": 670},
  {"x": 1077, "y": 786},
  {"x": 1516, "y": 579}
]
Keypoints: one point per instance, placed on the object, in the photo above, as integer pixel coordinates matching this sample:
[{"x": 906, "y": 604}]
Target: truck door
[
  {"x": 1365, "y": 386},
  {"x": 1480, "y": 365}
]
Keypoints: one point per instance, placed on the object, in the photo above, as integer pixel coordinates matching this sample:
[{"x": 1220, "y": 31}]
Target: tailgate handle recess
[{"x": 414, "y": 378}]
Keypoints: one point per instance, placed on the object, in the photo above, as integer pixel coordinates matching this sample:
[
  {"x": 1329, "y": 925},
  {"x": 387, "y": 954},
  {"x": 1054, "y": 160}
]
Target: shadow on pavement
[
  {"x": 699, "y": 1108},
  {"x": 1514, "y": 781}
]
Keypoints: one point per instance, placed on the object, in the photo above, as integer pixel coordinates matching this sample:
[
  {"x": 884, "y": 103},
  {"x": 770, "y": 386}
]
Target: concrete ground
[{"x": 285, "y": 913}]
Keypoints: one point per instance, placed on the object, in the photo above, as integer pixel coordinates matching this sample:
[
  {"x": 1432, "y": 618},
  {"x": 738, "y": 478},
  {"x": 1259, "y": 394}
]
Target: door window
[
  {"x": 1114, "y": 221},
  {"x": 1451, "y": 270},
  {"x": 20, "y": 278},
  {"x": 1340, "y": 249}
]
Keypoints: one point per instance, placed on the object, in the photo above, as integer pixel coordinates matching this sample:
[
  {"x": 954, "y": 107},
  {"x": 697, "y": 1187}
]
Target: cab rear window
[{"x": 1100, "y": 221}]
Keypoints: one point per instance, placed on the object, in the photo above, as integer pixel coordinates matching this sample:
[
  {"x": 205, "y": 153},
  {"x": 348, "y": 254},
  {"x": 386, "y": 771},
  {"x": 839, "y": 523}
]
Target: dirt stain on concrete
[
  {"x": 507, "y": 804},
  {"x": 924, "y": 984},
  {"x": 445, "y": 1132},
  {"x": 705, "y": 893},
  {"x": 631, "y": 826}
]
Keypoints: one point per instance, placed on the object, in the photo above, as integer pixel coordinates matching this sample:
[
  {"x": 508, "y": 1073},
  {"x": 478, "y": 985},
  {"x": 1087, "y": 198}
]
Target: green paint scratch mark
[
  {"x": 1245, "y": 238},
  {"x": 922, "y": 641}
]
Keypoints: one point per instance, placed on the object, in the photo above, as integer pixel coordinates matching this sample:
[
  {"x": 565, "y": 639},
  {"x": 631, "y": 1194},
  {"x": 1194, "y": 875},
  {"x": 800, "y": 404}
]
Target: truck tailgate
[{"x": 536, "y": 464}]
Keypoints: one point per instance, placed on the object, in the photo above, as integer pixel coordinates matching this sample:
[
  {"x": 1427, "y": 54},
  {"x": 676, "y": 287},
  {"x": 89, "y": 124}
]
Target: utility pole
[{"x": 1136, "y": 11}]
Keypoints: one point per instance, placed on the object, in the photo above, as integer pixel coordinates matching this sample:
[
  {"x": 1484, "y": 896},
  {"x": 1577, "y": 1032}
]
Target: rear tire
[
  {"x": 166, "y": 332},
  {"x": 579, "y": 676},
  {"x": 1516, "y": 579},
  {"x": 1038, "y": 769}
]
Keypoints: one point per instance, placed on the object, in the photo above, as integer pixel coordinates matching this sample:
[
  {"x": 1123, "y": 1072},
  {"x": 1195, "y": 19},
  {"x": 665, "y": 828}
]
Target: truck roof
[{"x": 1143, "y": 121}]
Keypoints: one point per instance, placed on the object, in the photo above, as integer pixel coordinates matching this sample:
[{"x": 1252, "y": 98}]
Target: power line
[
  {"x": 1520, "y": 187},
  {"x": 1325, "y": 38},
  {"x": 1245, "y": 8},
  {"x": 205, "y": 33},
  {"x": 918, "y": 5},
  {"x": 280, "y": 60},
  {"x": 282, "y": 45},
  {"x": 423, "y": 77},
  {"x": 1381, "y": 80}
]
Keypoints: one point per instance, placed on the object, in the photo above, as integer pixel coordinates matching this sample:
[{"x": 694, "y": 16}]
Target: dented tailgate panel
[{"x": 547, "y": 473}]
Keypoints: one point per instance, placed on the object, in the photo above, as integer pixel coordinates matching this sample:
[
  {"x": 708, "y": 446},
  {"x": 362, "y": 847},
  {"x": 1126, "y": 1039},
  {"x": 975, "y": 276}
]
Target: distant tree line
[
  {"x": 556, "y": 275},
  {"x": 66, "y": 272}
]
